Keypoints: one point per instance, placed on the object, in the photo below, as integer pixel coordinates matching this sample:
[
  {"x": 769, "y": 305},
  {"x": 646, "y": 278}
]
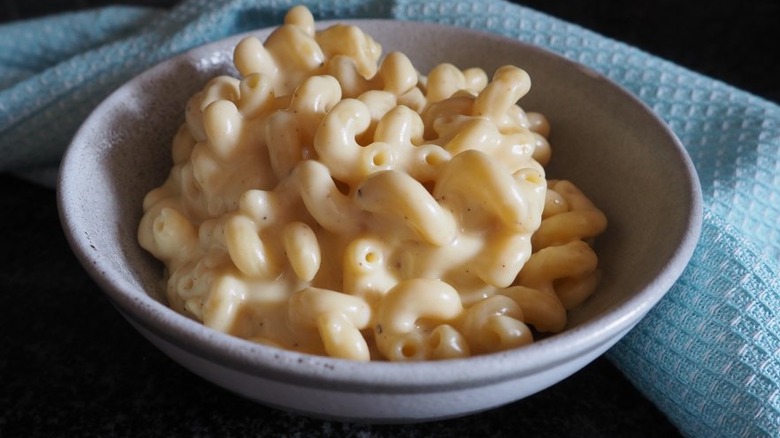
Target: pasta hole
[
  {"x": 409, "y": 350},
  {"x": 372, "y": 257},
  {"x": 380, "y": 159},
  {"x": 533, "y": 177},
  {"x": 253, "y": 81},
  {"x": 433, "y": 159}
]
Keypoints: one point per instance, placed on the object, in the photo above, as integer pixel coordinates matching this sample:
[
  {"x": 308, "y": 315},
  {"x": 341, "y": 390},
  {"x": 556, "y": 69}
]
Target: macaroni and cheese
[{"x": 337, "y": 202}]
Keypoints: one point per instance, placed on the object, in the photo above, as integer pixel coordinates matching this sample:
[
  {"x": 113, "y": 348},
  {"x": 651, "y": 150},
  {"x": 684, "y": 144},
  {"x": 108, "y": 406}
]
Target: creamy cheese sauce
[{"x": 337, "y": 202}]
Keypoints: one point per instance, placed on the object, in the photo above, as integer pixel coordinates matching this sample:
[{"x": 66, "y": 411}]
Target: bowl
[{"x": 605, "y": 141}]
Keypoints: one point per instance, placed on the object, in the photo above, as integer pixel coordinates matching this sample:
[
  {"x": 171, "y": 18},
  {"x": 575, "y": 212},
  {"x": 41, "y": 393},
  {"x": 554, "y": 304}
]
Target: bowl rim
[{"x": 345, "y": 375}]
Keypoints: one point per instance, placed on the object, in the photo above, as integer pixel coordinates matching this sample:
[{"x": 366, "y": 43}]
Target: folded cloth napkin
[{"x": 708, "y": 355}]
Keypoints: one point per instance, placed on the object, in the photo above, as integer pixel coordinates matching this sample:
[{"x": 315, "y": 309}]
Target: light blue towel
[{"x": 708, "y": 355}]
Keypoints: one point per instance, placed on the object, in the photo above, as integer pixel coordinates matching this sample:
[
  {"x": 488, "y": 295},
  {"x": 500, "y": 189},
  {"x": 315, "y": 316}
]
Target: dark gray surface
[{"x": 69, "y": 366}]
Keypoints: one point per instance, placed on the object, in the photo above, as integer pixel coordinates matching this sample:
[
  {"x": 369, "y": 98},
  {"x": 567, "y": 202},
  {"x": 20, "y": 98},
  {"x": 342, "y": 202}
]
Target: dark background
[{"x": 70, "y": 366}]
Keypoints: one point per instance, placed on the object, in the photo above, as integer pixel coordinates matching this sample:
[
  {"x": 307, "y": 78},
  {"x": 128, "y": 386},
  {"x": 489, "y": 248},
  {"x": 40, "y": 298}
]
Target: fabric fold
[
  {"x": 29, "y": 47},
  {"x": 707, "y": 354}
]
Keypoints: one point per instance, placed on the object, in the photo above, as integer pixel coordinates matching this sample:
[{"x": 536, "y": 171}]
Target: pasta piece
[{"x": 400, "y": 332}]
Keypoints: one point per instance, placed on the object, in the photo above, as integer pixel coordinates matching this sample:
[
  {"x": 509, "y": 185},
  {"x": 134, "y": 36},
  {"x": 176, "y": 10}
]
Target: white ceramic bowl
[{"x": 604, "y": 140}]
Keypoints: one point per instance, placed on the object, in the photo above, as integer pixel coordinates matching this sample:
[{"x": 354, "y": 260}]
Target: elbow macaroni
[{"x": 336, "y": 203}]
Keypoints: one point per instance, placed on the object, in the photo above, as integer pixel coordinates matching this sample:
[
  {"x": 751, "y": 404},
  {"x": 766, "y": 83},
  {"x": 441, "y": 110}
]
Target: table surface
[{"x": 71, "y": 366}]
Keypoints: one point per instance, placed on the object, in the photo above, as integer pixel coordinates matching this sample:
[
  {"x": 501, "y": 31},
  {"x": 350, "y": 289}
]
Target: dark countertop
[{"x": 70, "y": 366}]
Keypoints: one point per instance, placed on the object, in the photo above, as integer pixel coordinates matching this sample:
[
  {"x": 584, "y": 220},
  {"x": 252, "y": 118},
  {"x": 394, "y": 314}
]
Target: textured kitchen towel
[{"x": 708, "y": 355}]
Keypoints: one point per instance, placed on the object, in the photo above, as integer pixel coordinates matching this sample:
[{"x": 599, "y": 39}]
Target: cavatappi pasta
[{"x": 336, "y": 202}]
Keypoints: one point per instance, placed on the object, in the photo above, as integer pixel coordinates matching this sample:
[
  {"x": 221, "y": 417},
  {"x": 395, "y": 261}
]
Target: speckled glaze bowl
[{"x": 604, "y": 140}]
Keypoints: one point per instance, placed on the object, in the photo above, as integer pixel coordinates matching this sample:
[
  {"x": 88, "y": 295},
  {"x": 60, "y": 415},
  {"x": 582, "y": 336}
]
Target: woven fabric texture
[{"x": 708, "y": 355}]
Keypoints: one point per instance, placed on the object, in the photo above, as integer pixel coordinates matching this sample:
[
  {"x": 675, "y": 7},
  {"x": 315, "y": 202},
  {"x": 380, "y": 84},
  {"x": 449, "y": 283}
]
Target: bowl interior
[{"x": 603, "y": 140}]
